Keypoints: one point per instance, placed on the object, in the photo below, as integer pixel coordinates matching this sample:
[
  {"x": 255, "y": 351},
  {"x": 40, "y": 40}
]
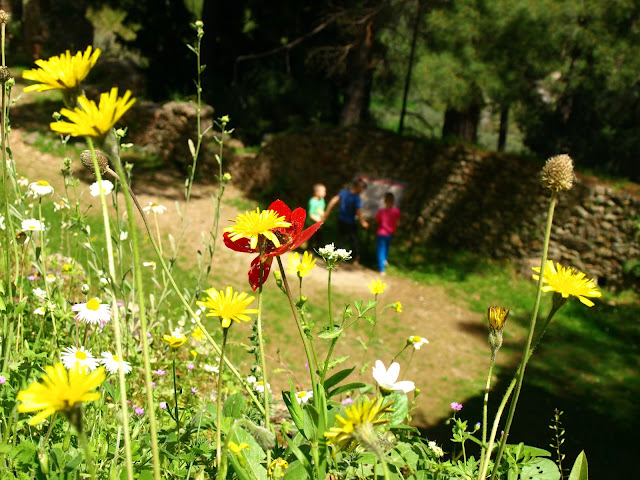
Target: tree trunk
[
  {"x": 357, "y": 92},
  {"x": 462, "y": 124},
  {"x": 407, "y": 80},
  {"x": 504, "y": 126}
]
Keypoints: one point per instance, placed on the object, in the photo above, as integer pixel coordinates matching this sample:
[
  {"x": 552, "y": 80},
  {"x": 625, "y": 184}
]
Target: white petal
[
  {"x": 393, "y": 373},
  {"x": 379, "y": 372},
  {"x": 406, "y": 386}
]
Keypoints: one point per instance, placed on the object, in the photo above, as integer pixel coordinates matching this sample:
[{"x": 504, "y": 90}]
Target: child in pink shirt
[{"x": 387, "y": 219}]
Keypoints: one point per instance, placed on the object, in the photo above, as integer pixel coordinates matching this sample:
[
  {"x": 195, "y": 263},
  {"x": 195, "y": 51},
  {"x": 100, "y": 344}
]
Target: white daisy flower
[
  {"x": 40, "y": 293},
  {"x": 251, "y": 379},
  {"x": 155, "y": 208},
  {"x": 111, "y": 363},
  {"x": 2, "y": 227},
  {"x": 32, "y": 225},
  {"x": 417, "y": 341},
  {"x": 107, "y": 188},
  {"x": 50, "y": 278},
  {"x": 23, "y": 181},
  {"x": 151, "y": 264},
  {"x": 124, "y": 235},
  {"x": 61, "y": 205},
  {"x": 92, "y": 312},
  {"x": 39, "y": 311},
  {"x": 304, "y": 396},
  {"x": 259, "y": 387},
  {"x": 85, "y": 288},
  {"x": 72, "y": 356},
  {"x": 387, "y": 378},
  {"x": 211, "y": 368},
  {"x": 40, "y": 188}
]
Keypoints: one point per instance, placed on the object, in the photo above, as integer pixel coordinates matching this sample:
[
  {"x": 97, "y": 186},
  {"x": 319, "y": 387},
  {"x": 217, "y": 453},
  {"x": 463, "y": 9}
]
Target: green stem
[
  {"x": 137, "y": 271},
  {"x": 532, "y": 326},
  {"x": 219, "y": 401},
  {"x": 263, "y": 363},
  {"x": 175, "y": 399},
  {"x": 303, "y": 336},
  {"x": 373, "y": 327},
  {"x": 505, "y": 398},
  {"x": 87, "y": 454},
  {"x": 485, "y": 407},
  {"x": 329, "y": 299}
]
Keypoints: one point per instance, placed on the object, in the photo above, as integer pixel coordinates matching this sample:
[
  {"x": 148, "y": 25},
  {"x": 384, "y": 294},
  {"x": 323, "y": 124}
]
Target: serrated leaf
[
  {"x": 580, "y": 470},
  {"x": 400, "y": 408}
]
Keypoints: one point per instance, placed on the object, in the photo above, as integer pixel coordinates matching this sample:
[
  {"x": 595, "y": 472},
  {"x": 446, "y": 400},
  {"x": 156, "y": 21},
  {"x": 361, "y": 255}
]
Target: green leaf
[
  {"x": 580, "y": 470},
  {"x": 337, "y": 361},
  {"x": 345, "y": 388},
  {"x": 254, "y": 456},
  {"x": 336, "y": 378},
  {"x": 329, "y": 334},
  {"x": 541, "y": 469},
  {"x": 296, "y": 471},
  {"x": 310, "y": 423},
  {"x": 294, "y": 407},
  {"x": 74, "y": 463},
  {"x": 234, "y": 406},
  {"x": 300, "y": 456},
  {"x": 535, "y": 451},
  {"x": 400, "y": 408}
]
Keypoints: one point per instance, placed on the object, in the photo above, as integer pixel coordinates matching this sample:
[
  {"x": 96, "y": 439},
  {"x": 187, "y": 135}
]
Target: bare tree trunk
[
  {"x": 357, "y": 92},
  {"x": 462, "y": 124},
  {"x": 407, "y": 80}
]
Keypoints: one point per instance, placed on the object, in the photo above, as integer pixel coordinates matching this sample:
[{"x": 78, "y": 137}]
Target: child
[
  {"x": 315, "y": 212},
  {"x": 387, "y": 219},
  {"x": 349, "y": 214}
]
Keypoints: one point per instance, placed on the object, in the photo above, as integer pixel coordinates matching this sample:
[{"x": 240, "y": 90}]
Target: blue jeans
[{"x": 383, "y": 242}]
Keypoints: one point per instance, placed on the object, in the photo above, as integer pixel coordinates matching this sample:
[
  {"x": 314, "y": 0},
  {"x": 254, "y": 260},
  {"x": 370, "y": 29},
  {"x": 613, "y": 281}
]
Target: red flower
[{"x": 290, "y": 238}]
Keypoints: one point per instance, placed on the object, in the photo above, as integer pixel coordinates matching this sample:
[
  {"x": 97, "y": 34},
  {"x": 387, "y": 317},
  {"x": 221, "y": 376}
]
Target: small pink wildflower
[
  {"x": 194, "y": 390},
  {"x": 191, "y": 366},
  {"x": 139, "y": 411},
  {"x": 163, "y": 405},
  {"x": 153, "y": 384},
  {"x": 347, "y": 401},
  {"x": 456, "y": 406},
  {"x": 160, "y": 372},
  {"x": 3, "y": 379}
]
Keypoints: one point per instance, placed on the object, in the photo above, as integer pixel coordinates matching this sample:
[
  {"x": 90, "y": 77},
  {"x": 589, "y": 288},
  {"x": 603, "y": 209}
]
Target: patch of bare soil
[{"x": 451, "y": 366}]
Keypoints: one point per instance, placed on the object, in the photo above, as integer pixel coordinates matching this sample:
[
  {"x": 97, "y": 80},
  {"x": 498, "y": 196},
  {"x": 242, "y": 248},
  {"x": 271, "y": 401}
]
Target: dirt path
[{"x": 449, "y": 368}]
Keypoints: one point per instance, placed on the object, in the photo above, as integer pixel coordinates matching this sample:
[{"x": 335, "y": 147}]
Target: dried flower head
[
  {"x": 4, "y": 16},
  {"x": 87, "y": 161},
  {"x": 557, "y": 174},
  {"x": 5, "y": 74}
]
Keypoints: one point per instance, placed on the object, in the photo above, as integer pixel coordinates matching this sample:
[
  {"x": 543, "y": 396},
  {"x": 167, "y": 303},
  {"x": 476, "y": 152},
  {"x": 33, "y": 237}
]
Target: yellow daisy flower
[
  {"x": 277, "y": 468},
  {"x": 398, "y": 307},
  {"x": 567, "y": 281},
  {"x": 59, "y": 391},
  {"x": 175, "y": 340},
  {"x": 93, "y": 120},
  {"x": 197, "y": 334},
  {"x": 228, "y": 305},
  {"x": 377, "y": 286},
  {"x": 63, "y": 72},
  {"x": 300, "y": 266},
  {"x": 253, "y": 224},
  {"x": 358, "y": 425}
]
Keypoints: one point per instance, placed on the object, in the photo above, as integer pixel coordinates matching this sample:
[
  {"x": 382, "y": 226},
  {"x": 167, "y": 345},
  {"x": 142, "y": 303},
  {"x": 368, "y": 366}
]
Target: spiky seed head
[
  {"x": 4, "y": 16},
  {"x": 87, "y": 161},
  {"x": 4, "y": 74},
  {"x": 557, "y": 174}
]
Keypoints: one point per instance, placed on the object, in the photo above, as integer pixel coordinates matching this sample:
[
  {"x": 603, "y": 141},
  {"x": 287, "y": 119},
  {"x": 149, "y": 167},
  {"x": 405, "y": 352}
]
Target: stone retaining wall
[{"x": 486, "y": 202}]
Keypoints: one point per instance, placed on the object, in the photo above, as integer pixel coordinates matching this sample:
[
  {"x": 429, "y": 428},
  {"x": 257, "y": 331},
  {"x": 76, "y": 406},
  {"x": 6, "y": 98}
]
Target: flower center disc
[
  {"x": 42, "y": 183},
  {"x": 80, "y": 355},
  {"x": 93, "y": 304}
]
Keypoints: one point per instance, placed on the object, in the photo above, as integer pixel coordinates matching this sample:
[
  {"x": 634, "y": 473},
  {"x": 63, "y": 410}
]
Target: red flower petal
[
  {"x": 296, "y": 241},
  {"x": 298, "y": 217},
  {"x": 281, "y": 208},
  {"x": 241, "y": 245},
  {"x": 254, "y": 271}
]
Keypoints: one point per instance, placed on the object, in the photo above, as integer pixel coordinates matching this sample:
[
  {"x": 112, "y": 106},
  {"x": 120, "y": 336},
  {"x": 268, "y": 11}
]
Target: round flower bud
[
  {"x": 87, "y": 161},
  {"x": 557, "y": 174}
]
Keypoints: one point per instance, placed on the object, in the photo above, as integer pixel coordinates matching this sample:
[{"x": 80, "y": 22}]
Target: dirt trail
[{"x": 451, "y": 365}]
